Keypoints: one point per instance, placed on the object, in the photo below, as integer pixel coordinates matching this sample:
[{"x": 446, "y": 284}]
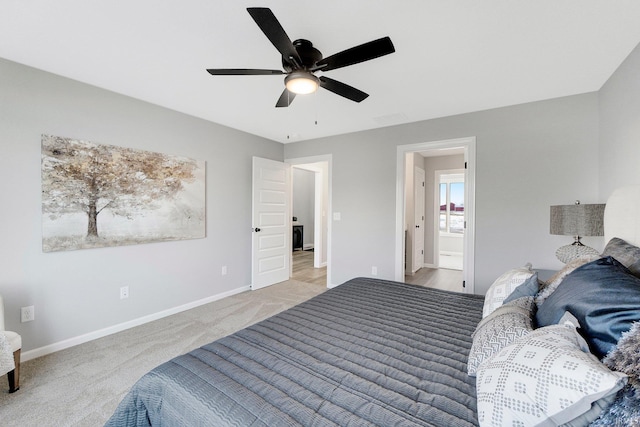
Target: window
[{"x": 452, "y": 203}]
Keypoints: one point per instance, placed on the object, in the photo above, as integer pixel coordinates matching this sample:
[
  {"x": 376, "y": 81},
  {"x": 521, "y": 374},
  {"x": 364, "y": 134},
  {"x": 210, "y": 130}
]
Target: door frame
[
  {"x": 469, "y": 146},
  {"x": 415, "y": 266},
  {"x": 327, "y": 158}
]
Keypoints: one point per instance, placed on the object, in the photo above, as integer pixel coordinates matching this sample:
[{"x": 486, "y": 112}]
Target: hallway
[
  {"x": 437, "y": 278},
  {"x": 304, "y": 271}
]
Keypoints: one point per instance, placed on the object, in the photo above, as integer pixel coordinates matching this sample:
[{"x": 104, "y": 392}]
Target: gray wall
[
  {"x": 528, "y": 157},
  {"x": 620, "y": 127},
  {"x": 77, "y": 292}
]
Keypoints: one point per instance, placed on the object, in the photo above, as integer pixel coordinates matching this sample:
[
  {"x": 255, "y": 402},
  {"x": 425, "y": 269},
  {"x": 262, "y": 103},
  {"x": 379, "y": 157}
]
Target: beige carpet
[{"x": 82, "y": 385}]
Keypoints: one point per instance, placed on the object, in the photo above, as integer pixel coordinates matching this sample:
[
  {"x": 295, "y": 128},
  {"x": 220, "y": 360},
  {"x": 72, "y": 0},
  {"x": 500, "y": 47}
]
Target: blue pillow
[
  {"x": 605, "y": 298},
  {"x": 528, "y": 288}
]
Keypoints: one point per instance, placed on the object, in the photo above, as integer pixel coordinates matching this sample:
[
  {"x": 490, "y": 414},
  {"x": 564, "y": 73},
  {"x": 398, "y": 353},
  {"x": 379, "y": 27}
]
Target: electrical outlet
[
  {"x": 124, "y": 292},
  {"x": 27, "y": 314},
  {"x": 224, "y": 270},
  {"x": 374, "y": 270}
]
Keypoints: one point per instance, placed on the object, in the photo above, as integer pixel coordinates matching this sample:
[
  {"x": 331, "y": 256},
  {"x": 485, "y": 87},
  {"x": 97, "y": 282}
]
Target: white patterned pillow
[
  {"x": 499, "y": 329},
  {"x": 503, "y": 286},
  {"x": 544, "y": 379}
]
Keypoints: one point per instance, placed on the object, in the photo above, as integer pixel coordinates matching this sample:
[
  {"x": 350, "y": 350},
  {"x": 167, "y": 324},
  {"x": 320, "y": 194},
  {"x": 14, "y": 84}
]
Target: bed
[
  {"x": 376, "y": 352},
  {"x": 368, "y": 352}
]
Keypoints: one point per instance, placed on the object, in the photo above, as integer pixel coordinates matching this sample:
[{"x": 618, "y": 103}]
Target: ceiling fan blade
[
  {"x": 361, "y": 53},
  {"x": 286, "y": 98},
  {"x": 342, "y": 89},
  {"x": 271, "y": 28},
  {"x": 242, "y": 72}
]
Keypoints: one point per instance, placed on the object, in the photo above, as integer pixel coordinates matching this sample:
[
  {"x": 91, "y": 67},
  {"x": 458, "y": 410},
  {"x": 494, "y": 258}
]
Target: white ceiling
[{"x": 452, "y": 56}]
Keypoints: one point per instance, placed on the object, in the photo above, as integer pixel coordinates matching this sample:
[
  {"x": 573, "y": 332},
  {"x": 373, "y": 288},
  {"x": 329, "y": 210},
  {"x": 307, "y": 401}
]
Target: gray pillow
[
  {"x": 501, "y": 328},
  {"x": 625, "y": 410},
  {"x": 626, "y": 253},
  {"x": 625, "y": 358}
]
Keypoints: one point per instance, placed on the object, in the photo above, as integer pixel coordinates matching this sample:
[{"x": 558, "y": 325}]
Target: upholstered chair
[{"x": 15, "y": 341}]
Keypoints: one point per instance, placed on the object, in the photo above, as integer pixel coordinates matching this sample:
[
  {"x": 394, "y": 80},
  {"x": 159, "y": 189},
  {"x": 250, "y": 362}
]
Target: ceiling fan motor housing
[{"x": 308, "y": 54}]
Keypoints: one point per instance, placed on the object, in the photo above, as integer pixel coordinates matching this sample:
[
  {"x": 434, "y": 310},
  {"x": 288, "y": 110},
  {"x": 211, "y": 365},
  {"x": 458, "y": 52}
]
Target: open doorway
[
  {"x": 432, "y": 157},
  {"x": 311, "y": 233},
  {"x": 448, "y": 244}
]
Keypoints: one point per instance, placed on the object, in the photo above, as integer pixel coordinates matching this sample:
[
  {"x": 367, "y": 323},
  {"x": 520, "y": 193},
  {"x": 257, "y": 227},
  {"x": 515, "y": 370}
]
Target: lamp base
[{"x": 574, "y": 251}]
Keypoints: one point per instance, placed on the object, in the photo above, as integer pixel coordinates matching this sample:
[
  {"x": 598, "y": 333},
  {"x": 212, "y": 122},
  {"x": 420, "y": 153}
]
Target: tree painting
[{"x": 96, "y": 195}]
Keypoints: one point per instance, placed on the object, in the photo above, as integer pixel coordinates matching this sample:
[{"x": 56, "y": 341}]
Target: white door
[
  {"x": 418, "y": 234},
  {"x": 271, "y": 242}
]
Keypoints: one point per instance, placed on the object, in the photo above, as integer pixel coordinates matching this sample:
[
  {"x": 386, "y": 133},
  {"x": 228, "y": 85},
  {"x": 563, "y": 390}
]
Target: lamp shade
[
  {"x": 577, "y": 220},
  {"x": 301, "y": 82}
]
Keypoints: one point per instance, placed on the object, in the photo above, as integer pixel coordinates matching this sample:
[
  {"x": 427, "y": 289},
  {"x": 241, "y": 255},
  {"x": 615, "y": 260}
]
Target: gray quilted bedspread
[{"x": 369, "y": 352}]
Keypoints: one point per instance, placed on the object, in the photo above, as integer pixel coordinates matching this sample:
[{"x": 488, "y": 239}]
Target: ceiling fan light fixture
[{"x": 301, "y": 82}]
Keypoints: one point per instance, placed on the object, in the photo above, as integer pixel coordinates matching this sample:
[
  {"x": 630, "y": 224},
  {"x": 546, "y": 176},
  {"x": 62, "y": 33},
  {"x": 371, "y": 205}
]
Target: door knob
[
  {"x": 256, "y": 229},
  {"x": 417, "y": 226}
]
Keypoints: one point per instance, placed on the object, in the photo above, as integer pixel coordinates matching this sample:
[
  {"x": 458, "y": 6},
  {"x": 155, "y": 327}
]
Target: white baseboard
[
  {"x": 81, "y": 339},
  {"x": 451, "y": 253},
  {"x": 418, "y": 267}
]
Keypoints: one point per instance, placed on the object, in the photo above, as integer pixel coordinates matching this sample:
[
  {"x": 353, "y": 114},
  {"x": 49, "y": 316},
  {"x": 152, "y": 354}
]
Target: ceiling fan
[{"x": 301, "y": 60}]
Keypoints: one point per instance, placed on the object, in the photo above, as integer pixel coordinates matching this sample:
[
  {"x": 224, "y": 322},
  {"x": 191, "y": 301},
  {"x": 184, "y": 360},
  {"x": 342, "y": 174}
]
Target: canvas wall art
[{"x": 96, "y": 195}]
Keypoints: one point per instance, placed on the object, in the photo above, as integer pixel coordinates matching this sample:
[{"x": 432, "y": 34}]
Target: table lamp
[{"x": 577, "y": 220}]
